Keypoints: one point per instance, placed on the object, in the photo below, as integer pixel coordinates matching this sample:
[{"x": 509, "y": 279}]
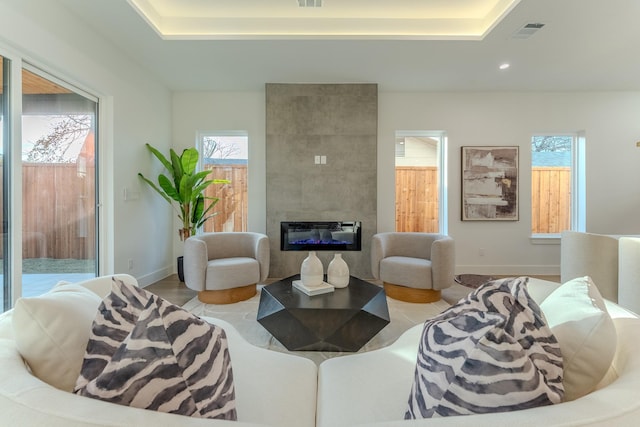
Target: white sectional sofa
[
  {"x": 371, "y": 389},
  {"x": 275, "y": 389},
  {"x": 271, "y": 388}
]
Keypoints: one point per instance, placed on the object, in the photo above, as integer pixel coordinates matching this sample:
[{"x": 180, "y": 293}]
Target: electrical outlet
[
  {"x": 481, "y": 251},
  {"x": 130, "y": 264}
]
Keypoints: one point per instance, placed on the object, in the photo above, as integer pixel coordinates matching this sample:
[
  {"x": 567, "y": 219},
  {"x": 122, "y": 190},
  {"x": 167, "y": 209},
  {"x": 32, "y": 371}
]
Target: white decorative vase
[
  {"x": 312, "y": 272},
  {"x": 338, "y": 272}
]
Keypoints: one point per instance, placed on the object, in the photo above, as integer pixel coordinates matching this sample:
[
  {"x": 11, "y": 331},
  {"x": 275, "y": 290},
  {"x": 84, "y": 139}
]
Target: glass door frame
[{"x": 13, "y": 186}]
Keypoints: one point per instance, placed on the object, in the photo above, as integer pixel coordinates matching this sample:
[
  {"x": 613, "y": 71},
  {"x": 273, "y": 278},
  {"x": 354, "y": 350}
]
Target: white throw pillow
[
  {"x": 577, "y": 315},
  {"x": 52, "y": 331}
]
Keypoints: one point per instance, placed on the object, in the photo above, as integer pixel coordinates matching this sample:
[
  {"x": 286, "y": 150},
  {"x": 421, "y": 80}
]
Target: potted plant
[{"x": 183, "y": 188}]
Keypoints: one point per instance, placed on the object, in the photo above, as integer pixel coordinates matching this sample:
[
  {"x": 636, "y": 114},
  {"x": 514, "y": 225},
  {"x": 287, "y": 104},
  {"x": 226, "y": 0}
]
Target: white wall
[
  {"x": 611, "y": 125},
  {"x": 195, "y": 112},
  {"x": 140, "y": 111},
  {"x": 609, "y": 120},
  {"x": 143, "y": 111}
]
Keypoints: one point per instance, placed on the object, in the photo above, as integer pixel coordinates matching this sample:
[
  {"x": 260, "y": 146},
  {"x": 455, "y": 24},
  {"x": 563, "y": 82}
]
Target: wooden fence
[
  {"x": 551, "y": 199},
  {"x": 58, "y": 205},
  {"x": 232, "y": 207},
  {"x": 417, "y": 199}
]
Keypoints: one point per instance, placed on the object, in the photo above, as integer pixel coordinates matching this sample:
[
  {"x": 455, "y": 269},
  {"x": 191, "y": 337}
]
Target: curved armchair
[
  {"x": 225, "y": 267},
  {"x": 413, "y": 267}
]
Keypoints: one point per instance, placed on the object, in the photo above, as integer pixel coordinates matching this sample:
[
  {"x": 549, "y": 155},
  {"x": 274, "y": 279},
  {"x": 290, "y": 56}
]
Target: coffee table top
[{"x": 342, "y": 320}]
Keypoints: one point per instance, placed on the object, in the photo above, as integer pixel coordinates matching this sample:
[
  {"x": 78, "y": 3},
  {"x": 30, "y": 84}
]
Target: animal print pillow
[
  {"x": 491, "y": 352},
  {"x": 116, "y": 318},
  {"x": 169, "y": 361}
]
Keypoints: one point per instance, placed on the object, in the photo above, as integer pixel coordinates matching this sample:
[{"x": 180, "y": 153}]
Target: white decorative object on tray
[
  {"x": 312, "y": 271},
  {"x": 338, "y": 272},
  {"x": 322, "y": 288}
]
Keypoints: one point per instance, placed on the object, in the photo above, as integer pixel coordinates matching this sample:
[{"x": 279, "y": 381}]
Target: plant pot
[{"x": 181, "y": 268}]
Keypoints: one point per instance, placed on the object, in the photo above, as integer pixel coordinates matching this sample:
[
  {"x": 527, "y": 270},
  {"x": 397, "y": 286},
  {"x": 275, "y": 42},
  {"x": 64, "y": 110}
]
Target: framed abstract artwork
[{"x": 490, "y": 183}]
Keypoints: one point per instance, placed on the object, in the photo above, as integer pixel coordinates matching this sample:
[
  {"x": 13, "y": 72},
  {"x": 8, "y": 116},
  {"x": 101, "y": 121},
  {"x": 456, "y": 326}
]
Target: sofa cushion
[
  {"x": 491, "y": 352},
  {"x": 579, "y": 319},
  {"x": 52, "y": 330},
  {"x": 168, "y": 361}
]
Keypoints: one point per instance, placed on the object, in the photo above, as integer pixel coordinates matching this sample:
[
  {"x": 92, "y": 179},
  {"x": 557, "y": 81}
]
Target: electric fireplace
[{"x": 321, "y": 236}]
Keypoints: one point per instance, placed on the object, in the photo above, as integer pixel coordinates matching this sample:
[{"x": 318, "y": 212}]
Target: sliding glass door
[
  {"x": 59, "y": 216},
  {"x": 48, "y": 181}
]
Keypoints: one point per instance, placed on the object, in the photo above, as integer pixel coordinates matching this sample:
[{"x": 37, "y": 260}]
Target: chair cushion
[
  {"x": 169, "y": 361},
  {"x": 406, "y": 271},
  {"x": 52, "y": 331},
  {"x": 491, "y": 352},
  {"x": 579, "y": 319},
  {"x": 227, "y": 273}
]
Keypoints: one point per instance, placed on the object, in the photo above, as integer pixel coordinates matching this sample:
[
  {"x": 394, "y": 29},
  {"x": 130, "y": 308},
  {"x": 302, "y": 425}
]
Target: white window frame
[
  {"x": 578, "y": 186},
  {"x": 104, "y": 215},
  {"x": 443, "y": 201},
  {"x": 200, "y": 135}
]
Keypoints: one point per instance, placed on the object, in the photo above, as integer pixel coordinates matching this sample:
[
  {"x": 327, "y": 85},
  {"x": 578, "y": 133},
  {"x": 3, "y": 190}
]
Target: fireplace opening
[{"x": 321, "y": 236}]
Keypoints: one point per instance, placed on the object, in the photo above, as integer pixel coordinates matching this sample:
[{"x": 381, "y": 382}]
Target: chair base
[
  {"x": 403, "y": 293},
  {"x": 227, "y": 296}
]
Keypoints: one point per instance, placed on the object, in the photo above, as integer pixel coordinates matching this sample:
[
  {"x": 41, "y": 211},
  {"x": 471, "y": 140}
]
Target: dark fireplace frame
[{"x": 320, "y": 236}]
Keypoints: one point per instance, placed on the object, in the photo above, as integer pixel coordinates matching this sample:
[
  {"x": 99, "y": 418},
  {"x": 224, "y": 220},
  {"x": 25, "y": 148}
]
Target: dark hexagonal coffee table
[{"x": 343, "y": 320}]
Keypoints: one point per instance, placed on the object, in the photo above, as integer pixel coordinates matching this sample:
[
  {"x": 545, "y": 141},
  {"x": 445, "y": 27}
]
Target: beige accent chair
[
  {"x": 414, "y": 267},
  {"x": 593, "y": 255},
  {"x": 226, "y": 267}
]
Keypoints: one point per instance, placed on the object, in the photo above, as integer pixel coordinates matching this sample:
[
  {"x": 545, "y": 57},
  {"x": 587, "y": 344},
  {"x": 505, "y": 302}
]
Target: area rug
[
  {"x": 242, "y": 316},
  {"x": 473, "y": 281}
]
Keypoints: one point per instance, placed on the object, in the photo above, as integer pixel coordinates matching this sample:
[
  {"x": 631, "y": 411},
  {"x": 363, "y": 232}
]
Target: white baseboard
[
  {"x": 154, "y": 276},
  {"x": 504, "y": 270}
]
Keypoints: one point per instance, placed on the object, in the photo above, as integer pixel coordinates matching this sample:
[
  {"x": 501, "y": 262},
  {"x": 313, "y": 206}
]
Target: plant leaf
[
  {"x": 158, "y": 190},
  {"x": 189, "y": 160},
  {"x": 169, "y": 189},
  {"x": 176, "y": 170},
  {"x": 160, "y": 157}
]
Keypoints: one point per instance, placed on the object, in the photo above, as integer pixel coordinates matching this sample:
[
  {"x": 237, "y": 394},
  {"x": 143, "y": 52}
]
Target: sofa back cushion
[
  {"x": 491, "y": 352},
  {"x": 579, "y": 319},
  {"x": 52, "y": 330}
]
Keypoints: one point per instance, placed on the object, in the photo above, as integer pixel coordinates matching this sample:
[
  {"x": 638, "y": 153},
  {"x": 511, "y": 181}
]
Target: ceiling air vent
[
  {"x": 310, "y": 3},
  {"x": 528, "y": 30}
]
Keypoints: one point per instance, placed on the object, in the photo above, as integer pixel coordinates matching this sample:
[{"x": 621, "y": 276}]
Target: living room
[
  {"x": 578, "y": 75},
  {"x": 140, "y": 107}
]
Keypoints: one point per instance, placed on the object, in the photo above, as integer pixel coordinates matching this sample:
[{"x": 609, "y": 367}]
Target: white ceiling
[
  {"x": 584, "y": 45},
  {"x": 342, "y": 19}
]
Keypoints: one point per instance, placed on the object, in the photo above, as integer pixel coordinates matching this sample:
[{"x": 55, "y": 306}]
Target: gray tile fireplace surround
[{"x": 339, "y": 122}]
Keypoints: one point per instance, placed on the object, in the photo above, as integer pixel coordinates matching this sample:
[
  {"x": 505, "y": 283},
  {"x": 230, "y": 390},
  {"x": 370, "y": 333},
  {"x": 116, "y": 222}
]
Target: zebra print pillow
[
  {"x": 116, "y": 318},
  {"x": 491, "y": 352},
  {"x": 170, "y": 361}
]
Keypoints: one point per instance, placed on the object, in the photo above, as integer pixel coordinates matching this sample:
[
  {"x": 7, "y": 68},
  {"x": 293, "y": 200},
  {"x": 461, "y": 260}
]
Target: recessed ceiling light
[{"x": 504, "y": 66}]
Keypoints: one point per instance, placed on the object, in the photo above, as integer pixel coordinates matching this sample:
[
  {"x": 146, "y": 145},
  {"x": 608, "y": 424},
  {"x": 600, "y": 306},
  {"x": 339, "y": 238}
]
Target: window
[
  {"x": 420, "y": 181},
  {"x": 557, "y": 183},
  {"x": 226, "y": 154}
]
